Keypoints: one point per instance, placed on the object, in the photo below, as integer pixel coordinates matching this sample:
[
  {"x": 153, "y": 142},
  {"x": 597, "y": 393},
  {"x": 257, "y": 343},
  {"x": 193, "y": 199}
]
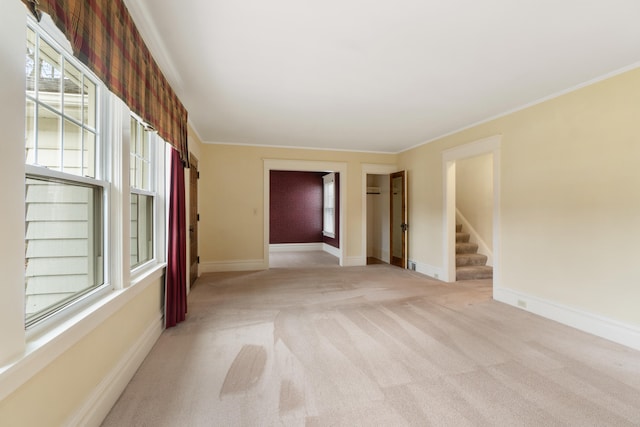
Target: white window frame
[
  {"x": 156, "y": 160},
  {"x": 329, "y": 205},
  {"x": 55, "y": 313}
]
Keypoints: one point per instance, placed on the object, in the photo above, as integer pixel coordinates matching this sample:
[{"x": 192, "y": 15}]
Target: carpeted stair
[{"x": 470, "y": 264}]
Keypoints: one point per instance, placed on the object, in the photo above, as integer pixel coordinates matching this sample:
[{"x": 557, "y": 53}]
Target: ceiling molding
[
  {"x": 293, "y": 147},
  {"x": 530, "y": 104},
  {"x": 153, "y": 40}
]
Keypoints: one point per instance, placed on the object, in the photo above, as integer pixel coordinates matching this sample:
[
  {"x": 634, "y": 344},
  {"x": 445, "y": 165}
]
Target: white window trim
[
  {"x": 329, "y": 178},
  {"x": 53, "y": 36},
  {"x": 159, "y": 192}
]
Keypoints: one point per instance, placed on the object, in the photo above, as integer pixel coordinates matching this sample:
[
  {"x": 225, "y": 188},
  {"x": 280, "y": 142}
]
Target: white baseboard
[
  {"x": 100, "y": 401},
  {"x": 336, "y": 252},
  {"x": 429, "y": 270},
  {"x": 234, "y": 265},
  {"x": 295, "y": 247},
  {"x": 594, "y": 324}
]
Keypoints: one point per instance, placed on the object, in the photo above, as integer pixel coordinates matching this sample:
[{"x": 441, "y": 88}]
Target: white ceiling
[{"x": 376, "y": 75}]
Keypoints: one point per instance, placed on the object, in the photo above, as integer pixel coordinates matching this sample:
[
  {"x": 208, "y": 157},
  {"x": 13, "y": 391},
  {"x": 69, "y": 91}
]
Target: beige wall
[
  {"x": 231, "y": 198},
  {"x": 56, "y": 392},
  {"x": 474, "y": 195},
  {"x": 12, "y": 106},
  {"x": 570, "y": 205}
]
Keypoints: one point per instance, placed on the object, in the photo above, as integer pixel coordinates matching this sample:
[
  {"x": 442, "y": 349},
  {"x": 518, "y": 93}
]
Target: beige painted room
[{"x": 563, "y": 228}]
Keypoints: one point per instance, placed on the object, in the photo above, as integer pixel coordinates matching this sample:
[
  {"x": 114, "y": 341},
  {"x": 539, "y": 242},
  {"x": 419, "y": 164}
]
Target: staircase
[{"x": 470, "y": 264}]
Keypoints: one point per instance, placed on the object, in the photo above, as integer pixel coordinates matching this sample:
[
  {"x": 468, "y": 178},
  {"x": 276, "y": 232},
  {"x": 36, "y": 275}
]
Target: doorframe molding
[
  {"x": 489, "y": 145},
  {"x": 370, "y": 169},
  {"x": 304, "y": 166}
]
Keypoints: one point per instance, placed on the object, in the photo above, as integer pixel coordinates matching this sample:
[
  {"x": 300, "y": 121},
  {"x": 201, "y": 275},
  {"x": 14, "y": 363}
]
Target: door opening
[
  {"x": 490, "y": 146},
  {"x": 398, "y": 215}
]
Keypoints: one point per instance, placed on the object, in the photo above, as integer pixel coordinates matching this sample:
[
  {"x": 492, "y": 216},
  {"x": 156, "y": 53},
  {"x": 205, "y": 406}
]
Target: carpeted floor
[{"x": 373, "y": 346}]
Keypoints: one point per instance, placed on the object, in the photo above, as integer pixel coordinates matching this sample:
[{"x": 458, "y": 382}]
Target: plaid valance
[{"x": 104, "y": 37}]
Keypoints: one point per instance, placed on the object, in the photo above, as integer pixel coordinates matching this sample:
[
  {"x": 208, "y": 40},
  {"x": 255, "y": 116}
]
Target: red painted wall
[{"x": 295, "y": 214}]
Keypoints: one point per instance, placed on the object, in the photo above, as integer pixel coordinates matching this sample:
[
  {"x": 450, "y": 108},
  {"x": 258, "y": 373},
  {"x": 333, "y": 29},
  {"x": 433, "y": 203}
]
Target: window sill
[
  {"x": 150, "y": 270},
  {"x": 44, "y": 348},
  {"x": 327, "y": 234}
]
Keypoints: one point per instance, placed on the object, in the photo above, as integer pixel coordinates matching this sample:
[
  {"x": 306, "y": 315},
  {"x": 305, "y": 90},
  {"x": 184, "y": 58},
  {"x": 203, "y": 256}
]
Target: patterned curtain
[{"x": 104, "y": 37}]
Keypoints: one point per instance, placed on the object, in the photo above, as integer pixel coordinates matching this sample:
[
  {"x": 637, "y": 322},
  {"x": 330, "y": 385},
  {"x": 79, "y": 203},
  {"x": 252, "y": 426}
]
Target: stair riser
[
  {"x": 462, "y": 237},
  {"x": 466, "y": 248},
  {"x": 474, "y": 276},
  {"x": 470, "y": 259},
  {"x": 474, "y": 272}
]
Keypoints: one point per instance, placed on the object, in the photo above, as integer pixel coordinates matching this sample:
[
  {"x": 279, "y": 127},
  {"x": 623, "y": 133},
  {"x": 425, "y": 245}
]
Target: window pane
[
  {"x": 63, "y": 254},
  {"x": 50, "y": 76},
  {"x": 30, "y": 65},
  {"x": 30, "y": 133},
  {"x": 72, "y": 156},
  {"x": 89, "y": 101},
  {"x": 141, "y": 229},
  {"x": 132, "y": 170},
  {"x": 89, "y": 153},
  {"x": 145, "y": 176},
  {"x": 49, "y": 144},
  {"x": 134, "y": 136},
  {"x": 72, "y": 91}
]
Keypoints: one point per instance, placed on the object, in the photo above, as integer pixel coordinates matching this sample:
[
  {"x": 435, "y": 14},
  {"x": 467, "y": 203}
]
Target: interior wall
[
  {"x": 56, "y": 392},
  {"x": 474, "y": 194},
  {"x": 295, "y": 207},
  {"x": 12, "y": 106},
  {"x": 232, "y": 216},
  {"x": 570, "y": 172},
  {"x": 378, "y": 221}
]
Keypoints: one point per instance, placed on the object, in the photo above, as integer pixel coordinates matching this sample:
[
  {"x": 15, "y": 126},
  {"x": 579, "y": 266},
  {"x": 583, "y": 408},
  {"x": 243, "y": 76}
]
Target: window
[
  {"x": 65, "y": 186},
  {"x": 142, "y": 192},
  {"x": 329, "y": 220}
]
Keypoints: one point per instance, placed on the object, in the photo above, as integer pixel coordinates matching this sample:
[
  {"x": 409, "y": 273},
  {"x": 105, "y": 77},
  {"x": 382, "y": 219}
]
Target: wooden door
[
  {"x": 193, "y": 219},
  {"x": 398, "y": 219}
]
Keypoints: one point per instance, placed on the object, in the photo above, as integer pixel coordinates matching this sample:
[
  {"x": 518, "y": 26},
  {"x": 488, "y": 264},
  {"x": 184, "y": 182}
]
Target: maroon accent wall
[
  {"x": 335, "y": 242},
  {"x": 295, "y": 213}
]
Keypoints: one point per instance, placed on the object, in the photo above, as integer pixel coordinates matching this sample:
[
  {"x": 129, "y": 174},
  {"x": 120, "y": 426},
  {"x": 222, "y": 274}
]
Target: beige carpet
[
  {"x": 373, "y": 346},
  {"x": 302, "y": 259}
]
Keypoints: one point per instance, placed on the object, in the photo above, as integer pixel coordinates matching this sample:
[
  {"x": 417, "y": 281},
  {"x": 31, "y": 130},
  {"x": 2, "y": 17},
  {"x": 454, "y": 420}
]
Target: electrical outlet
[{"x": 522, "y": 303}]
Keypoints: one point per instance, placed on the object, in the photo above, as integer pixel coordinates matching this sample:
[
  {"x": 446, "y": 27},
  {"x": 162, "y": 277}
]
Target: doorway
[
  {"x": 378, "y": 219},
  {"x": 376, "y": 213},
  {"x": 488, "y": 146},
  {"x": 308, "y": 166}
]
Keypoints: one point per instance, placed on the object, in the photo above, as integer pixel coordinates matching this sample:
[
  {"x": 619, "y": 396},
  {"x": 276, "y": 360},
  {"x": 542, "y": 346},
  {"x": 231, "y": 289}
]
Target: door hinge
[
  {"x": 198, "y": 260},
  {"x": 197, "y": 217},
  {"x": 198, "y": 174}
]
